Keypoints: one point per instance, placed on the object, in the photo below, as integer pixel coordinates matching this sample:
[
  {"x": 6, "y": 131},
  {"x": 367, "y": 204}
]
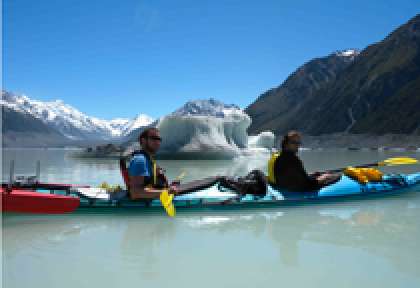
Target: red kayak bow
[{"x": 26, "y": 201}]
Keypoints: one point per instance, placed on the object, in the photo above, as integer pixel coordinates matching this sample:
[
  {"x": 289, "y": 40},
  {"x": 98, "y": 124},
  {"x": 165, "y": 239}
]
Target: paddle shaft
[
  {"x": 48, "y": 186},
  {"x": 358, "y": 166}
]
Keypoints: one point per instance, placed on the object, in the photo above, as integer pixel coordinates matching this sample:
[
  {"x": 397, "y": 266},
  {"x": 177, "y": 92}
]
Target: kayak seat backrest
[
  {"x": 124, "y": 173},
  {"x": 271, "y": 178}
]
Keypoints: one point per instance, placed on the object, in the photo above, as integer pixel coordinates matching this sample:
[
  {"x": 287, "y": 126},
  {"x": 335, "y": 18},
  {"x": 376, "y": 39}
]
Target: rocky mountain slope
[
  {"x": 375, "y": 92},
  {"x": 277, "y": 108},
  {"x": 24, "y": 130}
]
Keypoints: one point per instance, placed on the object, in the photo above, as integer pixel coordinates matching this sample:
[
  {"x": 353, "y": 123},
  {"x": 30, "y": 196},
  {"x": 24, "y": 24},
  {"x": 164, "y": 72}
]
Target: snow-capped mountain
[
  {"x": 207, "y": 107},
  {"x": 71, "y": 122},
  {"x": 141, "y": 120}
]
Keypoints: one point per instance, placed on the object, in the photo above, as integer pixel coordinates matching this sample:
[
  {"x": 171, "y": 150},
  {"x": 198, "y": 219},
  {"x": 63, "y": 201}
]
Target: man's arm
[{"x": 139, "y": 191}]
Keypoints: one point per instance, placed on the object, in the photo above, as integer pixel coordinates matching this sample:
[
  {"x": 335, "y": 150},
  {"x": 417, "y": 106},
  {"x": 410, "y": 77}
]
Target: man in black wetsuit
[{"x": 289, "y": 171}]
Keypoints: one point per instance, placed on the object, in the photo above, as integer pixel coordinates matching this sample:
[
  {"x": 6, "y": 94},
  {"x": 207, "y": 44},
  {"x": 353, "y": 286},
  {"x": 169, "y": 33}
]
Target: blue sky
[{"x": 120, "y": 58}]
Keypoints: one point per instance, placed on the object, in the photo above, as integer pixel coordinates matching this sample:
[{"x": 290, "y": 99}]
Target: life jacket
[
  {"x": 271, "y": 177},
  {"x": 156, "y": 178}
]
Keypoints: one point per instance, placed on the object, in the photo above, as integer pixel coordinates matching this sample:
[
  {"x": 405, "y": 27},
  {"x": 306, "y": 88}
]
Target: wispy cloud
[{"x": 147, "y": 17}]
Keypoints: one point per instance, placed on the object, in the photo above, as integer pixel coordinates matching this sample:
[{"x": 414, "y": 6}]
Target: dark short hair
[
  {"x": 288, "y": 136},
  {"x": 145, "y": 133}
]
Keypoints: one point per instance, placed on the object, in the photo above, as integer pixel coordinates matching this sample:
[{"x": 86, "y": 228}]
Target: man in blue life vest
[
  {"x": 146, "y": 179},
  {"x": 289, "y": 172}
]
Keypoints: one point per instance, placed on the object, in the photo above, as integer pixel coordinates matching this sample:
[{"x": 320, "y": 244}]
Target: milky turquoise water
[{"x": 372, "y": 243}]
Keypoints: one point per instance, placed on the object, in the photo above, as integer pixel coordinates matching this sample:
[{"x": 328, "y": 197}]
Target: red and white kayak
[{"x": 26, "y": 201}]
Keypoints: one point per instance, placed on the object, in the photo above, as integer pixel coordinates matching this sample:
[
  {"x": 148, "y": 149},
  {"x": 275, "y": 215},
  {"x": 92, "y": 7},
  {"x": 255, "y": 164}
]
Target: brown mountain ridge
[{"x": 376, "y": 92}]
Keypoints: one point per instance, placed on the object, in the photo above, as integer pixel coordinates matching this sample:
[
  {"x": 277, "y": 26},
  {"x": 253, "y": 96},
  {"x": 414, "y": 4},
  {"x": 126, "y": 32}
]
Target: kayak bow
[{"x": 24, "y": 201}]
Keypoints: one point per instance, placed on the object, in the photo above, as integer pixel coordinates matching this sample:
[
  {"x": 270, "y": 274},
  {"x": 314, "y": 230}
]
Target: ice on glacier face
[{"x": 219, "y": 136}]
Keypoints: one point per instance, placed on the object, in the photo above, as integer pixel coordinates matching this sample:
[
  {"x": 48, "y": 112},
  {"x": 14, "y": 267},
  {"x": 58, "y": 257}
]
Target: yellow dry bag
[{"x": 364, "y": 175}]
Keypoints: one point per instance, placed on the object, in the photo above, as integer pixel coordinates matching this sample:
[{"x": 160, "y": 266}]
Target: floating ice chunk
[
  {"x": 263, "y": 140},
  {"x": 221, "y": 137}
]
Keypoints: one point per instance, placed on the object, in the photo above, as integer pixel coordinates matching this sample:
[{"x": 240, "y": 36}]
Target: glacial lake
[{"x": 371, "y": 243}]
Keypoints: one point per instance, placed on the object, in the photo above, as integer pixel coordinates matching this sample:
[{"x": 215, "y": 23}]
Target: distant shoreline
[
  {"x": 328, "y": 141},
  {"x": 361, "y": 141}
]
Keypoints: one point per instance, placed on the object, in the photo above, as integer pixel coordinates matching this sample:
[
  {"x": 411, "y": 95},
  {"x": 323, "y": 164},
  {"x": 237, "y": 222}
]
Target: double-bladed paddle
[
  {"x": 166, "y": 199},
  {"x": 388, "y": 162}
]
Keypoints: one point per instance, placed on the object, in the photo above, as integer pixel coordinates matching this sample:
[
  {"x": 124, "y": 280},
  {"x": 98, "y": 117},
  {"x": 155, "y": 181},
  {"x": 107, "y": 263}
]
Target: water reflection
[
  {"x": 149, "y": 246},
  {"x": 141, "y": 244},
  {"x": 386, "y": 229}
]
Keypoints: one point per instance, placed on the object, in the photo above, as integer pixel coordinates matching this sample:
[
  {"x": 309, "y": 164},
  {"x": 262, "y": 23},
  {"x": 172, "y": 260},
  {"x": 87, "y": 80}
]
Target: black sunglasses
[
  {"x": 295, "y": 142},
  {"x": 156, "y": 138}
]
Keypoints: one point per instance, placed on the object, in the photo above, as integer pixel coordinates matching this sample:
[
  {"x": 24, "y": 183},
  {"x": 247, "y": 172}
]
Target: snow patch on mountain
[{"x": 348, "y": 53}]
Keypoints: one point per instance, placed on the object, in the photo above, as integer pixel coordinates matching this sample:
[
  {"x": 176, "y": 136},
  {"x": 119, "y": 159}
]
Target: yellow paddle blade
[
  {"x": 398, "y": 161},
  {"x": 168, "y": 205}
]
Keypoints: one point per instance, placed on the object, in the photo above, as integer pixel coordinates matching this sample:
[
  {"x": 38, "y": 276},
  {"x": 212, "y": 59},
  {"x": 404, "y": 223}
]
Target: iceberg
[
  {"x": 208, "y": 129},
  {"x": 263, "y": 140},
  {"x": 204, "y": 137}
]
